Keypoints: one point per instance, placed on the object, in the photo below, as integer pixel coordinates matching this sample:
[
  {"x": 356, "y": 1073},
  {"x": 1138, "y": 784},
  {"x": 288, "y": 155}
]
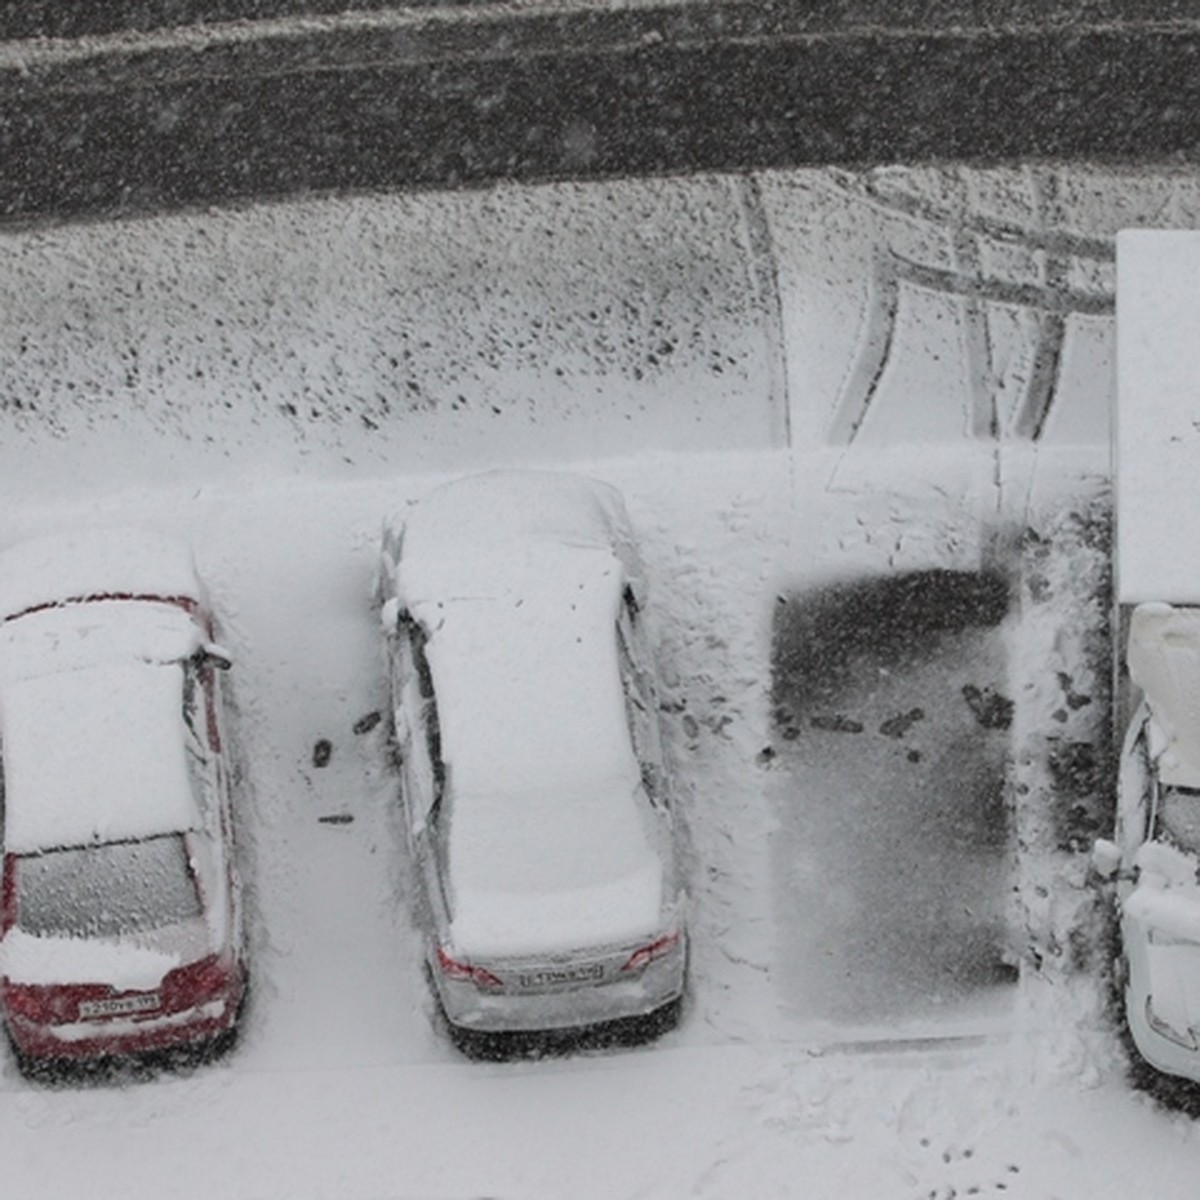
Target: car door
[
  {"x": 412, "y": 686},
  {"x": 1135, "y": 785},
  {"x": 641, "y": 705}
]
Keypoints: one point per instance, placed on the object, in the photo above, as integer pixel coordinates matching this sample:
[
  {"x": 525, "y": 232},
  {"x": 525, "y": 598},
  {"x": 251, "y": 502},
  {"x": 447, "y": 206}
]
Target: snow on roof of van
[
  {"x": 518, "y": 583},
  {"x": 91, "y": 717},
  {"x": 90, "y": 562}
]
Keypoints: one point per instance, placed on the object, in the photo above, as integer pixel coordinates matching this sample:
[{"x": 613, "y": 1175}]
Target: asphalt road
[
  {"x": 894, "y": 856},
  {"x": 377, "y": 97}
]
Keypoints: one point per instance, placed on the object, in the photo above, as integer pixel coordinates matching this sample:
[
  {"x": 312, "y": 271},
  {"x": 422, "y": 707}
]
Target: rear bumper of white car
[{"x": 479, "y": 1009}]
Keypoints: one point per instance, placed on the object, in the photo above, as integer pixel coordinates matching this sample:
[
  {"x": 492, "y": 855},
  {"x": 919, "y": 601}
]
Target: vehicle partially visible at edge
[
  {"x": 1154, "y": 856},
  {"x": 537, "y": 802},
  {"x": 120, "y": 908}
]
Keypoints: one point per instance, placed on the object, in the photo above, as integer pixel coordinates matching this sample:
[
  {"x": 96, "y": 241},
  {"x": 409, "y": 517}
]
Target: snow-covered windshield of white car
[
  {"x": 107, "y": 890},
  {"x": 1179, "y": 816}
]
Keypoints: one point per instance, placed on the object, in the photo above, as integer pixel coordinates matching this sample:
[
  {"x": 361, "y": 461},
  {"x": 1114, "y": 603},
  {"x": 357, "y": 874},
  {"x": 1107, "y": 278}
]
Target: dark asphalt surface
[
  {"x": 894, "y": 856},
  {"x": 476, "y": 93}
]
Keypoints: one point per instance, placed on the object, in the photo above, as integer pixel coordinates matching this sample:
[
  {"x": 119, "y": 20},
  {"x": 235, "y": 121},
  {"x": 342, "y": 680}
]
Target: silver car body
[{"x": 537, "y": 804}]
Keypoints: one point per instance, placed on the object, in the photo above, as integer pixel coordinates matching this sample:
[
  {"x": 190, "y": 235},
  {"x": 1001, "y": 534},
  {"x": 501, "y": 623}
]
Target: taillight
[
  {"x": 207, "y": 979},
  {"x": 645, "y": 955},
  {"x": 464, "y": 972},
  {"x": 8, "y": 894},
  {"x": 47, "y": 1005}
]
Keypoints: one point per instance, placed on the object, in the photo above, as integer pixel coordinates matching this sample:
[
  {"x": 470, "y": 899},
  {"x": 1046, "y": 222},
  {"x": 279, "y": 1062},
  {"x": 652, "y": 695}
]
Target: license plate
[
  {"x": 550, "y": 977},
  {"x": 120, "y": 1005}
]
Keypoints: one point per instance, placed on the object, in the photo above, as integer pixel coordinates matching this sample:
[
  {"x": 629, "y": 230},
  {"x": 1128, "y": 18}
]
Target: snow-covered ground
[{"x": 791, "y": 386}]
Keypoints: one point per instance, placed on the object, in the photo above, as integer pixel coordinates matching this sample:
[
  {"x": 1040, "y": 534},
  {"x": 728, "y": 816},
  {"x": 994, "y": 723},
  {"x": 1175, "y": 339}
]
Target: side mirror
[
  {"x": 1106, "y": 858},
  {"x": 389, "y": 615},
  {"x": 215, "y": 656}
]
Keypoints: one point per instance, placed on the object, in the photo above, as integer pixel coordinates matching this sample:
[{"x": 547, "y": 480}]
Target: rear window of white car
[{"x": 107, "y": 890}]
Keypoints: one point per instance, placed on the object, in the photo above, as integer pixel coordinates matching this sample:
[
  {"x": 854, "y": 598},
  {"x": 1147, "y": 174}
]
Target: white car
[
  {"x": 538, "y": 808},
  {"x": 120, "y": 911},
  {"x": 1155, "y": 855}
]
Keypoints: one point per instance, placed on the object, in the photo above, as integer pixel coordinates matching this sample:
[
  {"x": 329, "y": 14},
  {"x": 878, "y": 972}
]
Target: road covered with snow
[{"x": 795, "y": 397}]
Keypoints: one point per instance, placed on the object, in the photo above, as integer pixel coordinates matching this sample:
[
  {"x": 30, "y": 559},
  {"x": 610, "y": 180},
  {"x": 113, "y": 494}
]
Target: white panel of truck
[{"x": 1157, "y": 426}]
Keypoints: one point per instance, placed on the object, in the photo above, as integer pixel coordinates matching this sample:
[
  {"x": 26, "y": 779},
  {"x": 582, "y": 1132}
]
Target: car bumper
[
  {"x": 121, "y": 1036},
  {"x": 483, "y": 1011},
  {"x": 1160, "y": 1052}
]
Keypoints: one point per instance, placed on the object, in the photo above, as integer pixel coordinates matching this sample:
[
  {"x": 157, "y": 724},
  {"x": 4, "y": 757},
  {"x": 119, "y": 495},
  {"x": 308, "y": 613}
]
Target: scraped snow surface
[{"x": 732, "y": 435}]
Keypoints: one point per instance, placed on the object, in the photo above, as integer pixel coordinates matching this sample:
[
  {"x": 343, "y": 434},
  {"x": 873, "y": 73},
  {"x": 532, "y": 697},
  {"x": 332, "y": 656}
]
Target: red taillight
[
  {"x": 645, "y": 955},
  {"x": 206, "y": 979},
  {"x": 8, "y": 894},
  {"x": 465, "y": 972},
  {"x": 47, "y": 1005}
]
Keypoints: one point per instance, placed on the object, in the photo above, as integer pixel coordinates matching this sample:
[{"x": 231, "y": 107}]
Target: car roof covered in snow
[
  {"x": 95, "y": 562},
  {"x": 518, "y": 580},
  {"x": 91, "y": 717}
]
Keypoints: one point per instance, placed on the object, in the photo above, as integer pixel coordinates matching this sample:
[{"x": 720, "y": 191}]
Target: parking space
[{"x": 894, "y": 858}]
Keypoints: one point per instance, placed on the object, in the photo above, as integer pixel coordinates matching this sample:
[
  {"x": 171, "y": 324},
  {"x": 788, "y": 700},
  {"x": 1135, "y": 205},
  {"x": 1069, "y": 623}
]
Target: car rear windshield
[{"x": 106, "y": 890}]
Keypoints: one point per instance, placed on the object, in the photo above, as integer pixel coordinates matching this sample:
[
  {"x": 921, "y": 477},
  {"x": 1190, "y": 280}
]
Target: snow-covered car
[
  {"x": 120, "y": 911},
  {"x": 1154, "y": 858},
  {"x": 537, "y": 804}
]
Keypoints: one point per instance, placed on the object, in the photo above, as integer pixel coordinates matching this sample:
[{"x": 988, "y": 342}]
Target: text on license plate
[
  {"x": 119, "y": 1005},
  {"x": 558, "y": 976}
]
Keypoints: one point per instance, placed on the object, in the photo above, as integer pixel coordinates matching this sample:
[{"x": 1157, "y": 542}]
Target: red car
[{"x": 120, "y": 913}]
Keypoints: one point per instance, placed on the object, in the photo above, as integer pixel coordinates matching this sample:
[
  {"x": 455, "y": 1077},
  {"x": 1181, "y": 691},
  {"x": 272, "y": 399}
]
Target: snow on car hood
[
  {"x": 1166, "y": 907},
  {"x": 45, "y": 961},
  {"x": 1164, "y": 661},
  {"x": 89, "y": 562},
  {"x": 471, "y": 534}
]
